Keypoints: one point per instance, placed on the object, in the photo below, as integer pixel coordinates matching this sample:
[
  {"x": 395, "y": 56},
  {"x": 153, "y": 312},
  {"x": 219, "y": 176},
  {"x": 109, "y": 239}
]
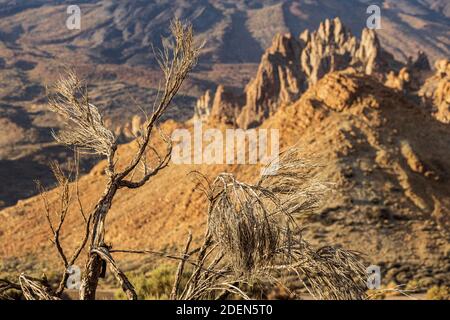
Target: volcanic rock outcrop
[
  {"x": 411, "y": 77},
  {"x": 291, "y": 65},
  {"x": 224, "y": 107},
  {"x": 436, "y": 91},
  {"x": 332, "y": 47},
  {"x": 202, "y": 108},
  {"x": 279, "y": 80}
]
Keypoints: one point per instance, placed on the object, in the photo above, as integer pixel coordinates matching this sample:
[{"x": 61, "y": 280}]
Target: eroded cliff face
[
  {"x": 291, "y": 65},
  {"x": 332, "y": 47},
  {"x": 226, "y": 106}
]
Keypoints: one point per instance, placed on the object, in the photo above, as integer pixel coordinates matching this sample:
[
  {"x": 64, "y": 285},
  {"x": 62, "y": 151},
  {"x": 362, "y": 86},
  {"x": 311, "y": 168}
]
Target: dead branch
[
  {"x": 64, "y": 200},
  {"x": 180, "y": 269},
  {"x": 64, "y": 196},
  {"x": 36, "y": 289},
  {"x": 176, "y": 60},
  {"x": 125, "y": 284},
  {"x": 6, "y": 286},
  {"x": 176, "y": 63}
]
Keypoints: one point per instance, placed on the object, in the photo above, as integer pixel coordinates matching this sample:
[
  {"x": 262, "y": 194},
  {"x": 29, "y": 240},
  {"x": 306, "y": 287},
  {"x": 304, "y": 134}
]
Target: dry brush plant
[
  {"x": 254, "y": 228},
  {"x": 252, "y": 237},
  {"x": 40, "y": 289},
  {"x": 85, "y": 131}
]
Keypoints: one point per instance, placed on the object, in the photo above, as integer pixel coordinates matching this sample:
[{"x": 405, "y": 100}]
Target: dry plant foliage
[
  {"x": 83, "y": 124},
  {"x": 255, "y": 221},
  {"x": 251, "y": 234},
  {"x": 252, "y": 237}
]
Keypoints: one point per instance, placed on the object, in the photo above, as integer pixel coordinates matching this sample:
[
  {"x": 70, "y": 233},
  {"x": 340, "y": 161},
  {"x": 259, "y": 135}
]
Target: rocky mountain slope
[
  {"x": 114, "y": 51},
  {"x": 390, "y": 181}
]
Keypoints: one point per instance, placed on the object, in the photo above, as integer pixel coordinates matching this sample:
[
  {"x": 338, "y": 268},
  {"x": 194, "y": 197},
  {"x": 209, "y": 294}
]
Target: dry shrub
[
  {"x": 254, "y": 229},
  {"x": 253, "y": 223},
  {"x": 242, "y": 226}
]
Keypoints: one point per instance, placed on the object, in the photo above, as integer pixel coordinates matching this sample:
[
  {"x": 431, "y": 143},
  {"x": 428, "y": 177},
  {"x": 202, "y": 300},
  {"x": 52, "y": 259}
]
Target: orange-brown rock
[
  {"x": 332, "y": 47},
  {"x": 292, "y": 64},
  {"x": 203, "y": 106},
  {"x": 278, "y": 80},
  {"x": 329, "y": 48},
  {"x": 411, "y": 77},
  {"x": 435, "y": 92},
  {"x": 398, "y": 81},
  {"x": 226, "y": 106}
]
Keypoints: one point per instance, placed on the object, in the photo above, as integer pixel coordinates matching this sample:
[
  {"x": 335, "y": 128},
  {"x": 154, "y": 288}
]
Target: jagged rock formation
[
  {"x": 398, "y": 81},
  {"x": 127, "y": 132},
  {"x": 435, "y": 93},
  {"x": 225, "y": 107},
  {"x": 278, "y": 80},
  {"x": 422, "y": 62},
  {"x": 332, "y": 47},
  {"x": 291, "y": 65},
  {"x": 202, "y": 108},
  {"x": 411, "y": 77}
]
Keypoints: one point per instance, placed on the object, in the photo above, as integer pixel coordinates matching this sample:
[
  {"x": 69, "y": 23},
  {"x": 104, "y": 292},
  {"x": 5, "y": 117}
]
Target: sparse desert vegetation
[{"x": 361, "y": 179}]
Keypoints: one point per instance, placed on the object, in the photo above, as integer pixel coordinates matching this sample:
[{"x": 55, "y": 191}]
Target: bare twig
[
  {"x": 180, "y": 269},
  {"x": 65, "y": 195},
  {"x": 36, "y": 289}
]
